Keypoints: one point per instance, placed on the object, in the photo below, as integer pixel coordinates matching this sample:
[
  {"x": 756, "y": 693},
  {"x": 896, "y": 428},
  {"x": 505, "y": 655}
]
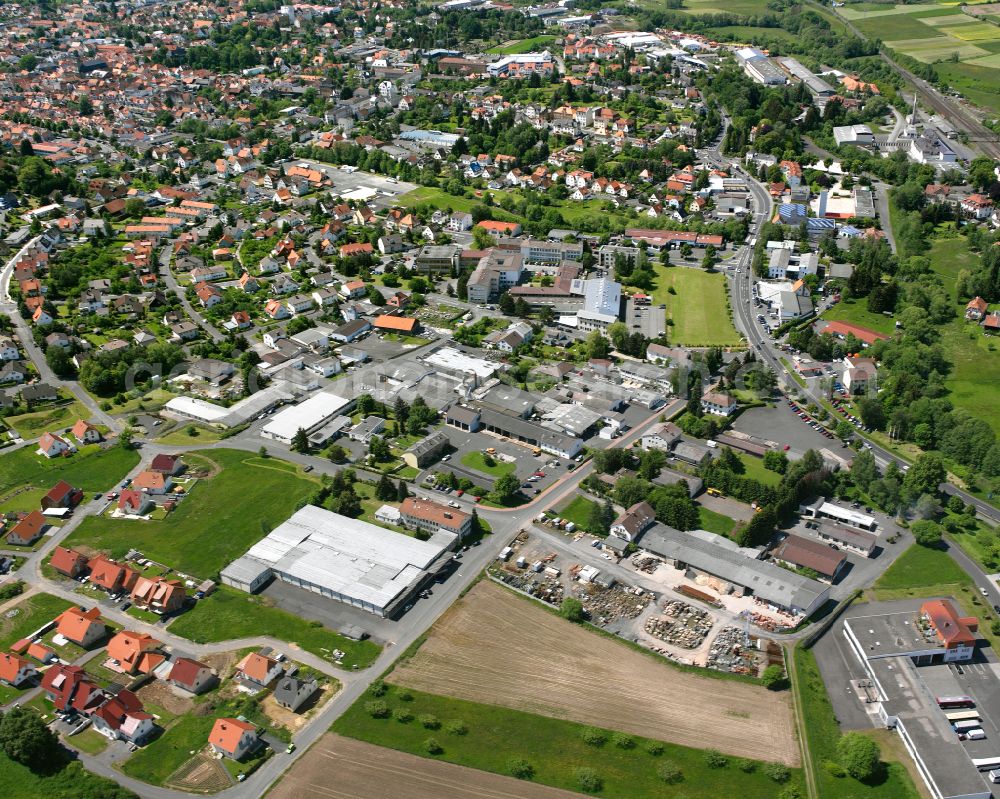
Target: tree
[
  {"x": 507, "y": 304},
  {"x": 597, "y": 345},
  {"x": 597, "y": 523},
  {"x": 26, "y": 739},
  {"x": 505, "y": 488},
  {"x": 925, "y": 475},
  {"x": 927, "y": 533},
  {"x": 859, "y": 755},
  {"x": 337, "y": 453},
  {"x": 773, "y": 677},
  {"x": 402, "y": 492},
  {"x": 59, "y": 360},
  {"x": 384, "y": 489},
  {"x": 300, "y": 441},
  {"x": 775, "y": 461},
  {"x": 379, "y": 449},
  {"x": 125, "y": 438},
  {"x": 864, "y": 469},
  {"x": 571, "y": 609}
]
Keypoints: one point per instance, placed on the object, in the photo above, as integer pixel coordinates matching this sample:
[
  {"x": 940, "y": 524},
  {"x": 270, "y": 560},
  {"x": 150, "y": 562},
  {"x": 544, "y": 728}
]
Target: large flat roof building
[
  {"x": 345, "y": 559},
  {"x": 309, "y": 415}
]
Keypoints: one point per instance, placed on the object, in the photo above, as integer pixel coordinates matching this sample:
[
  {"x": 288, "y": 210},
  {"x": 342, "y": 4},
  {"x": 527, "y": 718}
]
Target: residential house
[
  {"x": 257, "y": 671},
  {"x": 151, "y": 482},
  {"x": 82, "y": 627},
  {"x": 134, "y": 653},
  {"x": 292, "y": 693},
  {"x": 52, "y": 446},
  {"x": 354, "y": 289},
  {"x": 167, "y": 464},
  {"x": 122, "y": 717},
  {"x": 276, "y": 309},
  {"x": 191, "y": 675},
  {"x": 111, "y": 576},
  {"x": 634, "y": 521},
  {"x": 70, "y": 687},
  {"x": 134, "y": 503},
  {"x": 233, "y": 738},
  {"x": 403, "y": 325},
  {"x": 28, "y": 529},
  {"x": 662, "y": 437},
  {"x": 68, "y": 562},
  {"x": 15, "y": 670},
  {"x": 976, "y": 309},
  {"x": 717, "y": 403},
  {"x": 86, "y": 433},
  {"x": 158, "y": 594}
]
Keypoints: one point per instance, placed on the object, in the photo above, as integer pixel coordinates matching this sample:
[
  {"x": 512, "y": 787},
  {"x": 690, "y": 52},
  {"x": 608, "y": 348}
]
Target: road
[
  {"x": 178, "y": 289},
  {"x": 740, "y": 285},
  {"x": 503, "y": 521},
  {"x": 33, "y": 353}
]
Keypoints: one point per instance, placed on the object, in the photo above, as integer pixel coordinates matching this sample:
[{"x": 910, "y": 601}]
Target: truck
[
  {"x": 713, "y": 492},
  {"x": 505, "y": 553},
  {"x": 966, "y": 726},
  {"x": 977, "y": 734}
]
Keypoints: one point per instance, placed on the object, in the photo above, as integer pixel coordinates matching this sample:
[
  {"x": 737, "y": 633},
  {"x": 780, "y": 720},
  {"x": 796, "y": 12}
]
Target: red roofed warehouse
[{"x": 396, "y": 324}]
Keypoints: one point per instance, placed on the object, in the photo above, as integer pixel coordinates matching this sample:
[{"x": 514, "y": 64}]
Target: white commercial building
[
  {"x": 309, "y": 415},
  {"x": 602, "y": 300},
  {"x": 346, "y": 559}
]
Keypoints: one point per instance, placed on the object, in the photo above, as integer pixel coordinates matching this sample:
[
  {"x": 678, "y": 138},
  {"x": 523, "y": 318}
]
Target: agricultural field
[
  {"x": 365, "y": 771},
  {"x": 486, "y": 649},
  {"x": 935, "y": 33},
  {"x": 220, "y": 502},
  {"x": 33, "y": 424},
  {"x": 697, "y": 308}
]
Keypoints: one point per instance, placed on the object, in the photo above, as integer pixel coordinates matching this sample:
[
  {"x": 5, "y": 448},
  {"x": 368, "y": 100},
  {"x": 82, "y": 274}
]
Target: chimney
[{"x": 821, "y": 208}]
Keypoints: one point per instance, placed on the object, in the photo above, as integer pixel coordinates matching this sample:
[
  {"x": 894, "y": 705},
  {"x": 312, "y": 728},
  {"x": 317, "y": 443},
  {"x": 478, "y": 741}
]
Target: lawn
[
  {"x": 856, "y": 312},
  {"x": 90, "y": 469},
  {"x": 715, "y": 522},
  {"x": 228, "y": 614},
  {"x": 555, "y": 749},
  {"x": 476, "y": 460},
  {"x": 71, "y": 781},
  {"x": 921, "y": 571},
  {"x": 182, "y": 436},
  {"x": 157, "y": 761},
  {"x": 221, "y": 519},
  {"x": 33, "y": 612},
  {"x": 89, "y": 741},
  {"x": 532, "y": 45},
  {"x": 698, "y": 309},
  {"x": 32, "y": 425},
  {"x": 822, "y": 733},
  {"x": 754, "y": 467},
  {"x": 578, "y": 512}
]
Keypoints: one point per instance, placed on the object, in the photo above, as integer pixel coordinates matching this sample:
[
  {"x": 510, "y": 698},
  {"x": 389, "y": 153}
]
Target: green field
[
  {"x": 223, "y": 517},
  {"x": 715, "y": 522},
  {"x": 754, "y": 468},
  {"x": 228, "y": 614},
  {"x": 476, "y": 460},
  {"x": 32, "y": 425},
  {"x": 157, "y": 761},
  {"x": 90, "y": 469},
  {"x": 533, "y": 45},
  {"x": 553, "y": 748},
  {"x": 856, "y": 312},
  {"x": 921, "y": 571},
  {"x": 32, "y": 613},
  {"x": 578, "y": 512},
  {"x": 822, "y": 733},
  {"x": 69, "y": 781},
  {"x": 698, "y": 309}
]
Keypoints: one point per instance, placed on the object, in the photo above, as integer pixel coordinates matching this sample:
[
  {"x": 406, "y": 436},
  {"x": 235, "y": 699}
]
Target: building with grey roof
[
  {"x": 734, "y": 569},
  {"x": 427, "y": 450},
  {"x": 345, "y": 559}
]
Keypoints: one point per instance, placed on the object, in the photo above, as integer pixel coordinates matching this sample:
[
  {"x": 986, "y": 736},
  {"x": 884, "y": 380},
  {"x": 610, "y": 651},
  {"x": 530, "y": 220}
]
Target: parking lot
[
  {"x": 650, "y": 320},
  {"x": 779, "y": 423},
  {"x": 377, "y": 190}
]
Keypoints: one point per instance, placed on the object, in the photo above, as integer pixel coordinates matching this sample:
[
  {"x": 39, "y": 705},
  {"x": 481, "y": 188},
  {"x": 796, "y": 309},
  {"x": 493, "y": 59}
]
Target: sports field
[
  {"x": 934, "y": 33},
  {"x": 697, "y": 308},
  {"x": 499, "y": 648}
]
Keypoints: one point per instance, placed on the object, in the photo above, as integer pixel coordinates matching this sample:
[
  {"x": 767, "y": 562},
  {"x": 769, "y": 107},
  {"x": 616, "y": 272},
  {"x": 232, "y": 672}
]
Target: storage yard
[
  {"x": 365, "y": 771},
  {"x": 498, "y": 648}
]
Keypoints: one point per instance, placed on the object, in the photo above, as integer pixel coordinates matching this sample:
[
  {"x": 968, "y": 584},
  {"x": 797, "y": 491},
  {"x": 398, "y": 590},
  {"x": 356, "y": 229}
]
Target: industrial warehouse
[{"x": 345, "y": 559}]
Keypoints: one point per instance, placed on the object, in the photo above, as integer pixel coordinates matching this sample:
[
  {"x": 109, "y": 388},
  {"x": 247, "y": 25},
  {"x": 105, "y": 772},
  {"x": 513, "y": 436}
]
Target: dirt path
[
  {"x": 342, "y": 768},
  {"x": 498, "y": 648}
]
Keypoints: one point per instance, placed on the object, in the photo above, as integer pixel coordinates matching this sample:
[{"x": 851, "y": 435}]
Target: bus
[
  {"x": 962, "y": 715},
  {"x": 954, "y": 702},
  {"x": 986, "y": 763},
  {"x": 965, "y": 726}
]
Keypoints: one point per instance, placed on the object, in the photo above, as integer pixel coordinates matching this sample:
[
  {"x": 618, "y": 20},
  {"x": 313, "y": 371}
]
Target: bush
[
  {"x": 655, "y": 748},
  {"x": 378, "y": 688},
  {"x": 835, "y": 769},
  {"x": 571, "y": 609},
  {"x": 588, "y": 779},
  {"x": 715, "y": 759},
  {"x": 377, "y": 709},
  {"x": 430, "y": 721},
  {"x": 432, "y": 747},
  {"x": 670, "y": 772},
  {"x": 402, "y": 715},
  {"x": 859, "y": 755},
  {"x": 520, "y": 768},
  {"x": 594, "y": 736},
  {"x": 623, "y": 741},
  {"x": 773, "y": 678},
  {"x": 457, "y": 727},
  {"x": 746, "y": 766},
  {"x": 777, "y": 772},
  {"x": 404, "y": 696}
]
